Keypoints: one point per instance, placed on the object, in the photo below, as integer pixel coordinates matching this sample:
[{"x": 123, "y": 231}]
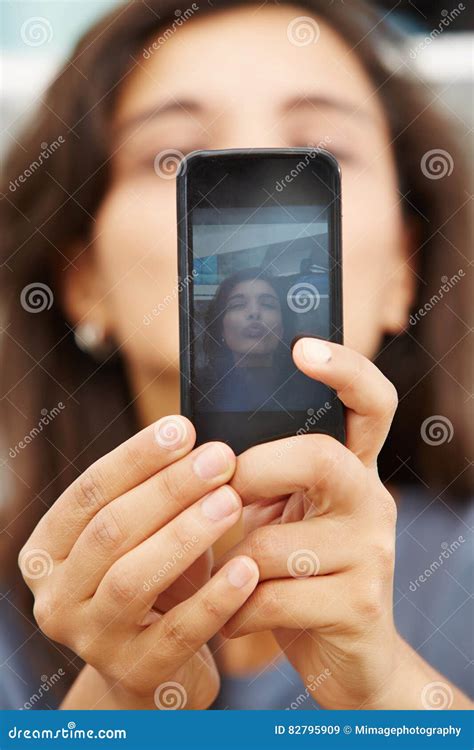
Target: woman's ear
[
  {"x": 81, "y": 291},
  {"x": 401, "y": 289}
]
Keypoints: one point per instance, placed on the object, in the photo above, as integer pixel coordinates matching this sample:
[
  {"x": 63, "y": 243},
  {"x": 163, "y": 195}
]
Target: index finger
[
  {"x": 318, "y": 466},
  {"x": 125, "y": 467},
  {"x": 368, "y": 395}
]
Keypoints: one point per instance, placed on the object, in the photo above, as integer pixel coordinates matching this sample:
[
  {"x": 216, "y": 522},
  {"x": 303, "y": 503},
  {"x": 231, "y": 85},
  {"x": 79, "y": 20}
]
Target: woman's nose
[{"x": 254, "y": 312}]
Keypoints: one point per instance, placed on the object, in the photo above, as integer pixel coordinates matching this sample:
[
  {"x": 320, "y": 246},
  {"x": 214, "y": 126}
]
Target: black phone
[{"x": 259, "y": 265}]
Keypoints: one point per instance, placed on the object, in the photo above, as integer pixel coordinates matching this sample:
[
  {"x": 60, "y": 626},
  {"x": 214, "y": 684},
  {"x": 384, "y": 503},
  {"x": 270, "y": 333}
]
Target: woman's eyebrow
[
  {"x": 184, "y": 107},
  {"x": 317, "y": 101},
  {"x": 189, "y": 107},
  {"x": 267, "y": 294}
]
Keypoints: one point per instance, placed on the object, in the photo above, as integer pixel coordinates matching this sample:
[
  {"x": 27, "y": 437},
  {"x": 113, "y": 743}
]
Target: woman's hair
[
  {"x": 218, "y": 355},
  {"x": 61, "y": 410}
]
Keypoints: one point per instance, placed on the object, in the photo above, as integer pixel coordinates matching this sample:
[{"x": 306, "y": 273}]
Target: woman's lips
[{"x": 254, "y": 330}]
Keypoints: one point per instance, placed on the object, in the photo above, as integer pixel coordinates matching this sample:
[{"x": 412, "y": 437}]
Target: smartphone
[{"x": 259, "y": 266}]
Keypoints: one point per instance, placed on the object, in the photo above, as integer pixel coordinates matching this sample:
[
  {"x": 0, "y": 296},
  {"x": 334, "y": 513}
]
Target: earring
[{"x": 91, "y": 339}]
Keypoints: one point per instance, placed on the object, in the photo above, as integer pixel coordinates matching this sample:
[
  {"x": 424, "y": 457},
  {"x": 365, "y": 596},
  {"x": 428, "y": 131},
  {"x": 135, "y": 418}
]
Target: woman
[
  {"x": 112, "y": 512},
  {"x": 246, "y": 341}
]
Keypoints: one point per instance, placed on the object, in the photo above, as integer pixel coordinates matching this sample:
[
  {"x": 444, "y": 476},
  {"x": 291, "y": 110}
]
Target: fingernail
[
  {"x": 151, "y": 617},
  {"x": 316, "y": 352},
  {"x": 220, "y": 504},
  {"x": 212, "y": 462},
  {"x": 170, "y": 432},
  {"x": 240, "y": 573}
]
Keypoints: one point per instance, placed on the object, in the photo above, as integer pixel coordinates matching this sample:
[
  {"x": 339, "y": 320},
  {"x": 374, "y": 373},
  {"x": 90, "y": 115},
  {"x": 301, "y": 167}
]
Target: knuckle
[
  {"x": 369, "y": 604},
  {"x": 265, "y": 601},
  {"x": 262, "y": 543},
  {"x": 20, "y": 562},
  {"x": 167, "y": 485},
  {"x": 35, "y": 563},
  {"x": 174, "y": 634},
  {"x": 331, "y": 454},
  {"x": 390, "y": 399},
  {"x": 119, "y": 586},
  {"x": 46, "y": 615},
  {"x": 383, "y": 555},
  {"x": 133, "y": 456},
  {"x": 41, "y": 610},
  {"x": 105, "y": 529},
  {"x": 22, "y": 554},
  {"x": 211, "y": 608},
  {"x": 181, "y": 535},
  {"x": 358, "y": 372},
  {"x": 87, "y": 491},
  {"x": 332, "y": 458},
  {"x": 388, "y": 508}
]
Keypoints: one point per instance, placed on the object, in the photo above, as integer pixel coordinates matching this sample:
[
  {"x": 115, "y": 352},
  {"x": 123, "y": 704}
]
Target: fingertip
[
  {"x": 227, "y": 450},
  {"x": 236, "y": 495},
  {"x": 312, "y": 351},
  {"x": 251, "y": 563},
  {"x": 242, "y": 571},
  {"x": 189, "y": 427},
  {"x": 174, "y": 432},
  {"x": 222, "y": 504}
]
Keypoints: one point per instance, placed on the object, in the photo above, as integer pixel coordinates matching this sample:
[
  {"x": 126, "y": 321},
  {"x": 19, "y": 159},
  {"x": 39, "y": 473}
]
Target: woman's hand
[
  {"x": 120, "y": 569},
  {"x": 326, "y": 551}
]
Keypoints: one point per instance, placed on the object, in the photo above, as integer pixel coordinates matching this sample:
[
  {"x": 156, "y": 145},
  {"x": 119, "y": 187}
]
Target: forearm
[{"x": 415, "y": 684}]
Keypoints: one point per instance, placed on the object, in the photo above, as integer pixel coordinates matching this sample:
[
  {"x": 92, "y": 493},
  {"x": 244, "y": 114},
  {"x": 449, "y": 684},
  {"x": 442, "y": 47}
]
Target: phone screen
[{"x": 263, "y": 273}]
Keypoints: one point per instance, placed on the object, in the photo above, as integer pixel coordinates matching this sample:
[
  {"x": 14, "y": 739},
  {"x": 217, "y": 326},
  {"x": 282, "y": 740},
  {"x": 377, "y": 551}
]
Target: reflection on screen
[{"x": 260, "y": 279}]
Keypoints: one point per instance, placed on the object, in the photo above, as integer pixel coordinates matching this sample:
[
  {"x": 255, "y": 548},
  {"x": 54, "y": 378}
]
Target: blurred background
[{"x": 37, "y": 35}]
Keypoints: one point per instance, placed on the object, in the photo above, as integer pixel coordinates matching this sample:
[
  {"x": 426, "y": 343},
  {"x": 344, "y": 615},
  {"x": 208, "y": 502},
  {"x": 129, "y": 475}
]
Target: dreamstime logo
[
  {"x": 170, "y": 696},
  {"x": 435, "y": 565},
  {"x": 46, "y": 684},
  {"x": 303, "y": 563},
  {"x": 166, "y": 163},
  {"x": 316, "y": 148},
  {"x": 170, "y": 432},
  {"x": 312, "y": 684},
  {"x": 311, "y": 420},
  {"x": 47, "y": 150},
  {"x": 447, "y": 17},
  {"x": 303, "y": 31},
  {"x": 181, "y": 18},
  {"x": 437, "y": 696},
  {"x": 436, "y": 164},
  {"x": 47, "y": 416},
  {"x": 446, "y": 285},
  {"x": 437, "y": 430},
  {"x": 156, "y": 311},
  {"x": 36, "y": 297},
  {"x": 36, "y": 31},
  {"x": 165, "y": 570},
  {"x": 303, "y": 297},
  {"x": 168, "y": 566},
  {"x": 36, "y": 563}
]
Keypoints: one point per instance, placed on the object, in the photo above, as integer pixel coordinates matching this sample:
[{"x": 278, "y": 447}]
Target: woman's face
[
  {"x": 252, "y": 320},
  {"x": 237, "y": 79}
]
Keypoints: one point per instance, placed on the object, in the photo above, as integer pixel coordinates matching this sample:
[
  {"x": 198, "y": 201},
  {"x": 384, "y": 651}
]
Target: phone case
[{"x": 275, "y": 428}]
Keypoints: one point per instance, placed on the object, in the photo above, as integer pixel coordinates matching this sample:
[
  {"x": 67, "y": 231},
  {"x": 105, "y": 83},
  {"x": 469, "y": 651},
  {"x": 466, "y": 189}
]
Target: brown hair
[{"x": 45, "y": 214}]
